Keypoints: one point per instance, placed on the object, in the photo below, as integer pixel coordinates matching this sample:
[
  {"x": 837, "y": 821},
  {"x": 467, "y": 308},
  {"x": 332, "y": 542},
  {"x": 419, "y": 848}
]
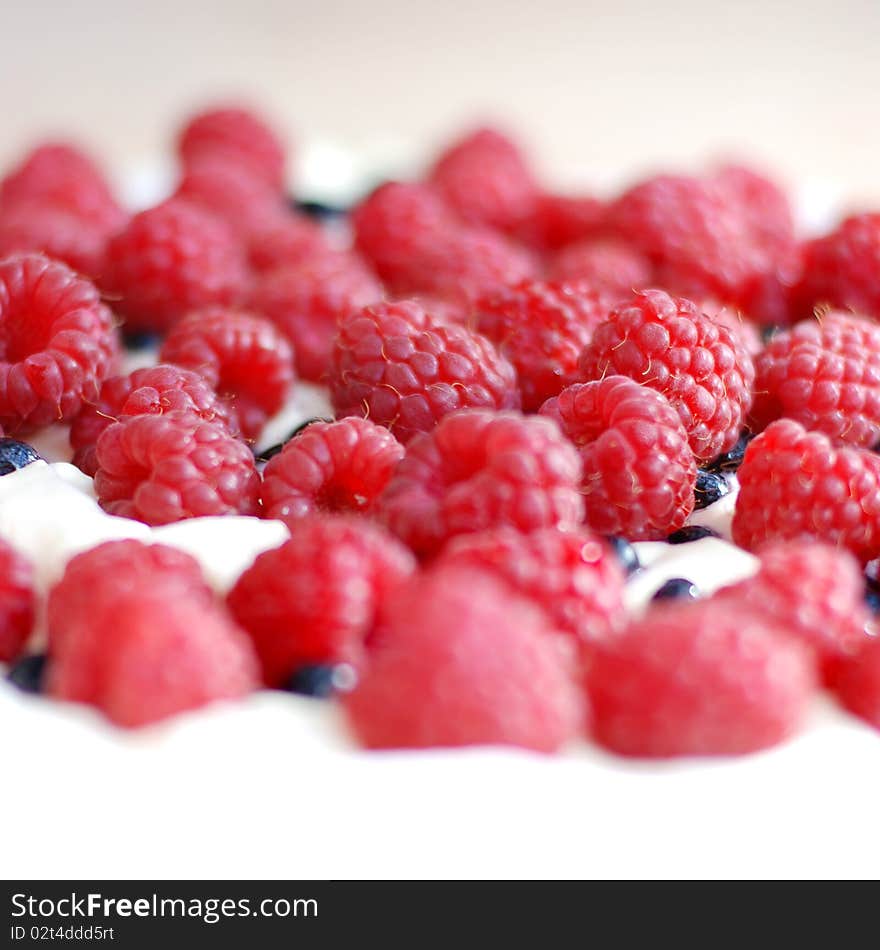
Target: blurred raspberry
[
  {"x": 559, "y": 220},
  {"x": 17, "y": 602},
  {"x": 608, "y": 264},
  {"x": 286, "y": 241},
  {"x": 855, "y": 681}
]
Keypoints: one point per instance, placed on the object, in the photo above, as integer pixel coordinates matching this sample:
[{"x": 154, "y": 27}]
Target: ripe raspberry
[
  {"x": 170, "y": 260},
  {"x": 306, "y": 299},
  {"x": 666, "y": 343},
  {"x": 57, "y": 342},
  {"x": 855, "y": 681},
  {"x": 152, "y": 390},
  {"x": 165, "y": 468},
  {"x": 559, "y": 220},
  {"x": 330, "y": 466},
  {"x": 796, "y": 485},
  {"x": 244, "y": 358},
  {"x": 314, "y": 599},
  {"x": 462, "y": 662},
  {"x": 572, "y": 575},
  {"x": 639, "y": 474},
  {"x": 235, "y": 135},
  {"x": 813, "y": 591},
  {"x": 699, "y": 679},
  {"x": 541, "y": 328},
  {"x": 608, "y": 264},
  {"x": 743, "y": 330},
  {"x": 840, "y": 269},
  {"x": 825, "y": 374},
  {"x": 396, "y": 365},
  {"x": 485, "y": 179},
  {"x": 286, "y": 241},
  {"x": 16, "y": 602},
  {"x": 478, "y": 470}
]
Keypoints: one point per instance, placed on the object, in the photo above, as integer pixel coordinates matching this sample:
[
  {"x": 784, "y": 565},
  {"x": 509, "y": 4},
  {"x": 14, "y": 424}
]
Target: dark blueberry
[
  {"x": 709, "y": 488},
  {"x": 693, "y": 532},
  {"x": 767, "y": 333},
  {"x": 273, "y": 450},
  {"x": 317, "y": 209},
  {"x": 140, "y": 339},
  {"x": 677, "y": 587},
  {"x": 872, "y": 593},
  {"x": 626, "y": 554},
  {"x": 731, "y": 461},
  {"x": 27, "y": 673},
  {"x": 15, "y": 455},
  {"x": 321, "y": 680}
]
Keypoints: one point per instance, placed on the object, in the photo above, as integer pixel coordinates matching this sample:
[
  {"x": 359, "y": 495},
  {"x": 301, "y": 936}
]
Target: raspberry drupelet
[
  {"x": 17, "y": 602},
  {"x": 57, "y": 342},
  {"x": 243, "y": 357},
  {"x": 666, "y": 343},
  {"x": 478, "y": 470},
  {"x": 639, "y": 473},
  {"x": 330, "y": 466},
  {"x": 398, "y": 366}
]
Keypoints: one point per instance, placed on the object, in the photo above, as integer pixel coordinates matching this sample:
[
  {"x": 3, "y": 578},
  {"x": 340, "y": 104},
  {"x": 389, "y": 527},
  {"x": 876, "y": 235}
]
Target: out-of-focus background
[{"x": 599, "y": 89}]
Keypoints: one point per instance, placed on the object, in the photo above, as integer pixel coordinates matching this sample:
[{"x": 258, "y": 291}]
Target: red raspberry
[
  {"x": 741, "y": 328},
  {"x": 559, "y": 220},
  {"x": 170, "y": 260},
  {"x": 796, "y": 485},
  {"x": 541, "y": 328},
  {"x": 855, "y": 681},
  {"x": 314, "y": 599},
  {"x": 639, "y": 473},
  {"x": 840, "y": 269},
  {"x": 16, "y": 602},
  {"x": 286, "y": 241},
  {"x": 825, "y": 374},
  {"x": 244, "y": 358},
  {"x": 478, "y": 470},
  {"x": 463, "y": 662},
  {"x": 399, "y": 367},
  {"x": 330, "y": 466},
  {"x": 666, "y": 343},
  {"x": 61, "y": 176},
  {"x": 813, "y": 591},
  {"x": 306, "y": 299},
  {"x": 762, "y": 203},
  {"x": 236, "y": 135},
  {"x": 485, "y": 179},
  {"x": 572, "y": 575},
  {"x": 699, "y": 679},
  {"x": 153, "y": 390},
  {"x": 608, "y": 264},
  {"x": 57, "y": 342},
  {"x": 165, "y": 468}
]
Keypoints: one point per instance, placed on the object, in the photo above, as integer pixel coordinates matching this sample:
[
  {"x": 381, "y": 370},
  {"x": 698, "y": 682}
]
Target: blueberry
[
  {"x": 693, "y": 532},
  {"x": 626, "y": 554},
  {"x": 321, "y": 680},
  {"x": 317, "y": 209},
  {"x": 767, "y": 333},
  {"x": 27, "y": 673},
  {"x": 731, "y": 461},
  {"x": 677, "y": 587},
  {"x": 273, "y": 450},
  {"x": 709, "y": 488},
  {"x": 140, "y": 339},
  {"x": 15, "y": 455},
  {"x": 872, "y": 593}
]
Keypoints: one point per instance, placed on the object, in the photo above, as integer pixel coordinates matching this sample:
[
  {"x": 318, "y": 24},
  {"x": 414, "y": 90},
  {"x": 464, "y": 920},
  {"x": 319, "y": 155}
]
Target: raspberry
[
  {"x": 840, "y": 269},
  {"x": 855, "y": 681},
  {"x": 666, "y": 343},
  {"x": 244, "y": 358},
  {"x": 796, "y": 485},
  {"x": 238, "y": 136},
  {"x": 286, "y": 241},
  {"x": 559, "y": 220},
  {"x": 165, "y": 468},
  {"x": 16, "y": 602},
  {"x": 743, "y": 330},
  {"x": 698, "y": 678},
  {"x": 572, "y": 575},
  {"x": 609, "y": 265},
  {"x": 170, "y": 260},
  {"x": 485, "y": 179},
  {"x": 57, "y": 342},
  {"x": 639, "y": 473},
  {"x": 541, "y": 328},
  {"x": 810, "y": 590},
  {"x": 154, "y": 390},
  {"x": 399, "y": 367},
  {"x": 825, "y": 374},
  {"x": 314, "y": 599},
  {"x": 330, "y": 466},
  {"x": 305, "y": 300},
  {"x": 462, "y": 662},
  {"x": 478, "y": 470},
  {"x": 762, "y": 203}
]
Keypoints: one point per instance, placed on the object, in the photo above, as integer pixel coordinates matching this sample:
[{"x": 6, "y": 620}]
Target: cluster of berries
[{"x": 511, "y": 390}]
